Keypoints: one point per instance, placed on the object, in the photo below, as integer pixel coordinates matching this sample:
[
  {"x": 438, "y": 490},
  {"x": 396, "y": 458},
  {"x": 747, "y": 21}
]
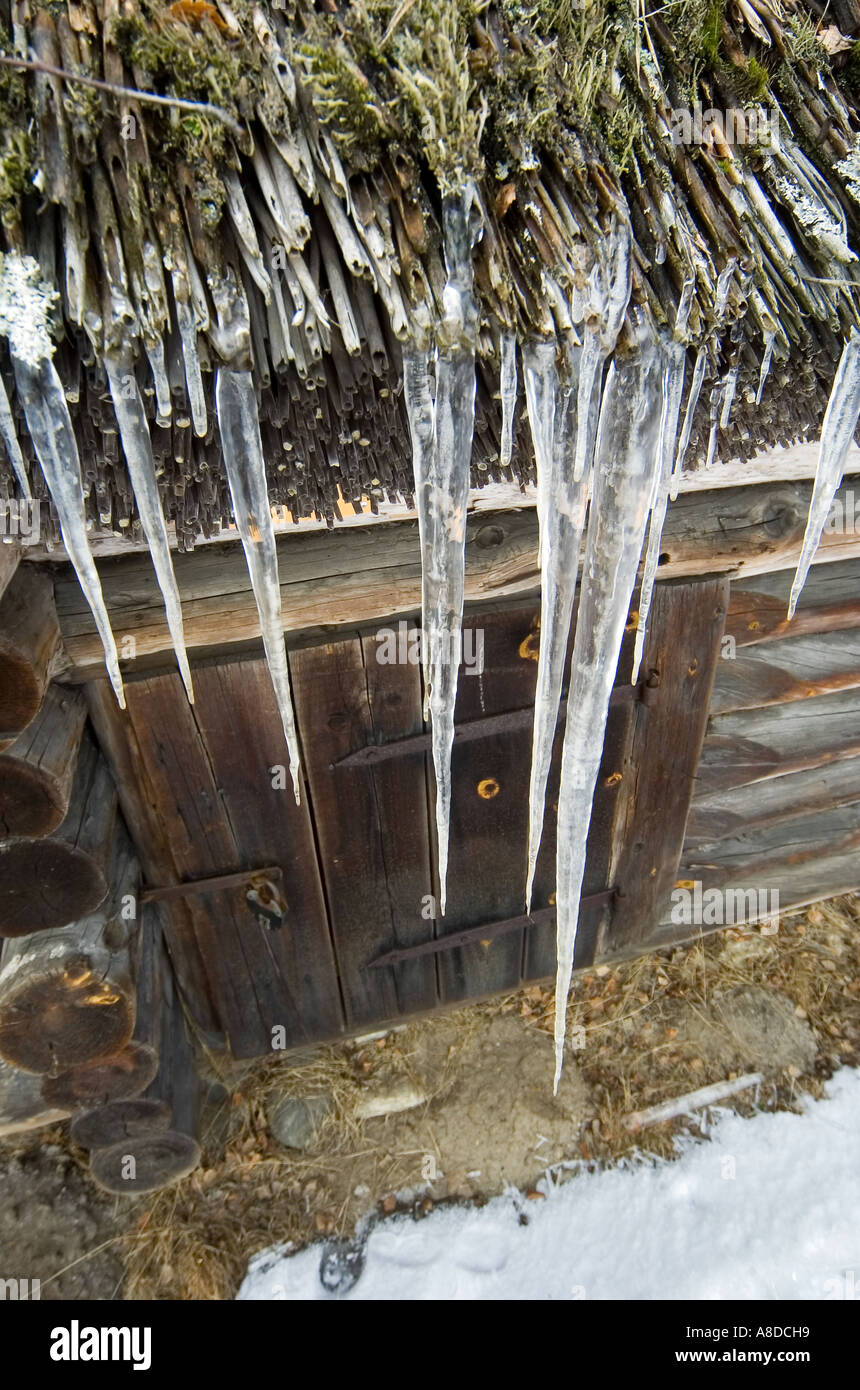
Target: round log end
[
  {"x": 22, "y": 687},
  {"x": 120, "y": 1122},
  {"x": 31, "y": 800},
  {"x": 46, "y": 884},
  {"x": 64, "y": 1020},
  {"x": 99, "y": 1083},
  {"x": 145, "y": 1165}
]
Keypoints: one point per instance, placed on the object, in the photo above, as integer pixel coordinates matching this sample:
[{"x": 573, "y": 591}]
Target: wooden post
[
  {"x": 10, "y": 556},
  {"x": 58, "y": 880},
  {"x": 22, "y": 1105},
  {"x": 29, "y": 643},
  {"x": 127, "y": 1074},
  {"x": 153, "y": 1160},
  {"x": 37, "y": 769},
  {"x": 66, "y": 996}
]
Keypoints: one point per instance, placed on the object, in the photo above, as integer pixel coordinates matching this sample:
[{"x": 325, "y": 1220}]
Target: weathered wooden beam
[
  {"x": 829, "y": 602},
  {"x": 769, "y": 802},
  {"x": 357, "y": 575},
  {"x": 29, "y": 646},
  {"x": 798, "y": 668}
]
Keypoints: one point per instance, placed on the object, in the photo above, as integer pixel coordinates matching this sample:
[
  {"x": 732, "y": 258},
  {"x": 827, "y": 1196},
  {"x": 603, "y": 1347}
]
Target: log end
[
  {"x": 31, "y": 800},
  {"x": 46, "y": 884},
  {"x": 145, "y": 1165},
  {"x": 64, "y": 1020},
  {"x": 100, "y": 1083},
  {"x": 22, "y": 687},
  {"x": 120, "y": 1122}
]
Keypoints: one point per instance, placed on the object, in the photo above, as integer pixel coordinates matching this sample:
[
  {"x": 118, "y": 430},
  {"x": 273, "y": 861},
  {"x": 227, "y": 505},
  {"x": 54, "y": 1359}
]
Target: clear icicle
[
  {"x": 442, "y": 432},
  {"x": 769, "y": 340},
  {"x": 627, "y": 455},
  {"x": 837, "y": 432},
  {"x": 689, "y": 416},
  {"x": 508, "y": 387},
  {"x": 47, "y": 415},
  {"x": 673, "y": 389},
  {"x": 239, "y": 427},
  {"x": 608, "y": 295},
  {"x": 134, "y": 434},
  {"x": 10, "y": 440},
  {"x": 562, "y": 504}
]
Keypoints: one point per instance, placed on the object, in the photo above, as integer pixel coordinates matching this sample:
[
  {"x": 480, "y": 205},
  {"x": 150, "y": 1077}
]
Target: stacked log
[
  {"x": 129, "y": 1072},
  {"x": 58, "y": 879},
  {"x": 67, "y": 996},
  {"x": 29, "y": 646},
  {"x": 158, "y": 1134},
  {"x": 37, "y": 769}
]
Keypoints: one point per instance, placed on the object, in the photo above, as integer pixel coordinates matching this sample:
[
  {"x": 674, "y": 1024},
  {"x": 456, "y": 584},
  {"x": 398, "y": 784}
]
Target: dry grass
[{"x": 633, "y": 1035}]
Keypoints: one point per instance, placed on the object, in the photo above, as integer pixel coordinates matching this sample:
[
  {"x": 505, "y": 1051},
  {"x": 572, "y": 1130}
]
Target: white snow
[{"x": 765, "y": 1208}]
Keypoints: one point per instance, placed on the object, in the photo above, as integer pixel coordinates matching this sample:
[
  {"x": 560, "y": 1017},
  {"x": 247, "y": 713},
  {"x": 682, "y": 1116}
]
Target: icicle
[
  {"x": 689, "y": 416},
  {"x": 508, "y": 386},
  {"x": 561, "y": 505},
  {"x": 10, "y": 440},
  {"x": 837, "y": 432},
  {"x": 627, "y": 454},
  {"x": 673, "y": 389},
  {"x": 239, "y": 426},
  {"x": 137, "y": 447},
  {"x": 442, "y": 431},
  {"x": 608, "y": 296},
  {"x": 47, "y": 415},
  {"x": 26, "y": 308},
  {"x": 769, "y": 340},
  {"x": 721, "y": 297}
]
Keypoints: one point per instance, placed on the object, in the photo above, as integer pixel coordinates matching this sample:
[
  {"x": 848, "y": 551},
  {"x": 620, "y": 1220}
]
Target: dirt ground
[{"x": 639, "y": 1033}]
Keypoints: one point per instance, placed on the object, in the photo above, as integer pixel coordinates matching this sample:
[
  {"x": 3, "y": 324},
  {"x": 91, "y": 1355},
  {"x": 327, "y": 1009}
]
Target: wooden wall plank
[
  {"x": 237, "y": 715},
  {"x": 489, "y": 808},
  {"x": 773, "y": 800},
  {"x": 750, "y": 745},
  {"x": 797, "y": 668},
  {"x": 828, "y": 602},
  {"x": 374, "y": 884},
  {"x": 684, "y": 631}
]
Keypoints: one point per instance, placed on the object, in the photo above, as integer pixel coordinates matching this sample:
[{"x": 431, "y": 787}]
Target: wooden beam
[
  {"x": 357, "y": 575},
  {"x": 10, "y": 555}
]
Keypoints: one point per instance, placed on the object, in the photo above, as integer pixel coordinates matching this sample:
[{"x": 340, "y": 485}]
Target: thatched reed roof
[{"x": 297, "y": 226}]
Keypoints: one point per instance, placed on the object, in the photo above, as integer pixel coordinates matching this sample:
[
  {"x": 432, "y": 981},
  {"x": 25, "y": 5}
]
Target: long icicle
[
  {"x": 552, "y": 412},
  {"x": 41, "y": 393},
  {"x": 508, "y": 391},
  {"x": 442, "y": 469},
  {"x": 689, "y": 416},
  {"x": 627, "y": 456},
  {"x": 134, "y": 434},
  {"x": 837, "y": 432},
  {"x": 673, "y": 389},
  {"x": 242, "y": 448}
]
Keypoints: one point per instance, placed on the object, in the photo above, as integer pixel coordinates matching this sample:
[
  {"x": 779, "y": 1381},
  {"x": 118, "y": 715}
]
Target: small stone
[{"x": 294, "y": 1122}]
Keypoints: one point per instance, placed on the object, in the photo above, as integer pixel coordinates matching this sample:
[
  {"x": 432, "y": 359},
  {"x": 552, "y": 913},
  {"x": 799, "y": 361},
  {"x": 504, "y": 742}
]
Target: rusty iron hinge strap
[
  {"x": 472, "y": 935},
  {"x": 644, "y": 691},
  {"x": 211, "y": 885}
]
